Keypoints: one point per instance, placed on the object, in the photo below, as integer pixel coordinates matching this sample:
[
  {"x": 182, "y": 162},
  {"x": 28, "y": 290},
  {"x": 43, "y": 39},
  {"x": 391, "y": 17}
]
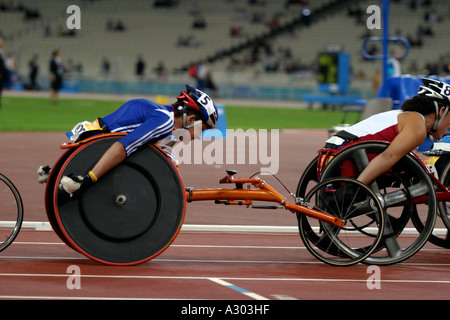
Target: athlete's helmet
[
  {"x": 439, "y": 92},
  {"x": 200, "y": 103}
]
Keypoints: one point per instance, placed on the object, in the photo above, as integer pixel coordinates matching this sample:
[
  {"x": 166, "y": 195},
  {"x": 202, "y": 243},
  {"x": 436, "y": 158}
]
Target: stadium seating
[{"x": 154, "y": 33}]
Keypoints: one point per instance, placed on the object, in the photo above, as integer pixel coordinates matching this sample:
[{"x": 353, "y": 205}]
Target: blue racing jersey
[{"x": 145, "y": 122}]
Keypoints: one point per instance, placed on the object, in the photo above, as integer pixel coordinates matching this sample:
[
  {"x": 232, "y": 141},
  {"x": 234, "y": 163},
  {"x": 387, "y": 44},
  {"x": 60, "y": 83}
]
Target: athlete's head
[
  {"x": 433, "y": 98},
  {"x": 420, "y": 104},
  {"x": 194, "y": 102}
]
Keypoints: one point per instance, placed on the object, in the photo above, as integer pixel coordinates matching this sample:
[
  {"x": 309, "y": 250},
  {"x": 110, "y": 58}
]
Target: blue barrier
[
  {"x": 70, "y": 87},
  {"x": 400, "y": 88},
  {"x": 334, "y": 99}
]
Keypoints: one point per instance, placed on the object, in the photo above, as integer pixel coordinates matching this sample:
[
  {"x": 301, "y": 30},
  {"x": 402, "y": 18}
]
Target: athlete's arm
[
  {"x": 111, "y": 158},
  {"x": 155, "y": 127},
  {"x": 412, "y": 133}
]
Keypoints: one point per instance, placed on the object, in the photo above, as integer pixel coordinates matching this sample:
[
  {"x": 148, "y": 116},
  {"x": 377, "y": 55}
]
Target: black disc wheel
[{"x": 130, "y": 215}]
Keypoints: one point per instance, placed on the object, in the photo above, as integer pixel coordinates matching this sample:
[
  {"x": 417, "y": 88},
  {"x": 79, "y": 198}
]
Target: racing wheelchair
[
  {"x": 410, "y": 195},
  {"x": 136, "y": 210}
]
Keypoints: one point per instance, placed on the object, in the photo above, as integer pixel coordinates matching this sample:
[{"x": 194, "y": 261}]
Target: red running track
[
  {"x": 225, "y": 266},
  {"x": 201, "y": 265}
]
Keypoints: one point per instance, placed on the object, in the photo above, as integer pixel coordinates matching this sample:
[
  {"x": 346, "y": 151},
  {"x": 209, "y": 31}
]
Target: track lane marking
[{"x": 238, "y": 289}]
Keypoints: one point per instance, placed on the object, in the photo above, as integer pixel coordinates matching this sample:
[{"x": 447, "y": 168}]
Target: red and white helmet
[{"x": 200, "y": 103}]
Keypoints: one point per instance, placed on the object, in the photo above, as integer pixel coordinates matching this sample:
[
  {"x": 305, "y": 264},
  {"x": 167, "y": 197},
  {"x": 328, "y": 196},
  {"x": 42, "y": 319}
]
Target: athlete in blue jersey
[{"x": 145, "y": 122}]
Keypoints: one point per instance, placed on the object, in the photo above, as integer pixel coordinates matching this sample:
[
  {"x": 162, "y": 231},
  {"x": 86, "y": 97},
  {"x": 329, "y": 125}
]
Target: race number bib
[{"x": 81, "y": 128}]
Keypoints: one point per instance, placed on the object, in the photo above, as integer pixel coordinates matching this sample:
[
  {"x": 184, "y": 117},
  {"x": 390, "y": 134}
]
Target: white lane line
[
  {"x": 238, "y": 289},
  {"x": 45, "y": 226}
]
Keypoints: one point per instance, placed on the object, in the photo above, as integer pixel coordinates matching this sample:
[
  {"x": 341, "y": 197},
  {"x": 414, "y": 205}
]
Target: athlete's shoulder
[
  {"x": 145, "y": 102},
  {"x": 389, "y": 113},
  {"x": 152, "y": 106},
  {"x": 414, "y": 124},
  {"x": 411, "y": 116},
  {"x": 386, "y": 118}
]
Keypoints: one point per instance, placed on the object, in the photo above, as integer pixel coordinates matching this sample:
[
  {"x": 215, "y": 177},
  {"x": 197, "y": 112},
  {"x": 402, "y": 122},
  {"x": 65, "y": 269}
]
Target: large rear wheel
[{"x": 130, "y": 215}]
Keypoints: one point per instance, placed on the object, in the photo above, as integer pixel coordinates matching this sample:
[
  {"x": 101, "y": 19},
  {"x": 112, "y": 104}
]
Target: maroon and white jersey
[{"x": 382, "y": 126}]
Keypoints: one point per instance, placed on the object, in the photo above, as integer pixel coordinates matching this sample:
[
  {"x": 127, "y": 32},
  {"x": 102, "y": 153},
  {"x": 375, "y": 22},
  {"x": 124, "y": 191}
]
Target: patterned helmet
[
  {"x": 200, "y": 103},
  {"x": 439, "y": 92}
]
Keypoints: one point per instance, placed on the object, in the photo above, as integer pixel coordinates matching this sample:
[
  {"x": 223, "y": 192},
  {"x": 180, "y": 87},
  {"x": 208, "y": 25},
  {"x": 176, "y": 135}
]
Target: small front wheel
[{"x": 358, "y": 206}]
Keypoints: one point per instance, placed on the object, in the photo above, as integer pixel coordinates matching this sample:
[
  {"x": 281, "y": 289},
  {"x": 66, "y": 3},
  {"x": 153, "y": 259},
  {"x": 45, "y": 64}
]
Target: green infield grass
[{"x": 38, "y": 114}]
